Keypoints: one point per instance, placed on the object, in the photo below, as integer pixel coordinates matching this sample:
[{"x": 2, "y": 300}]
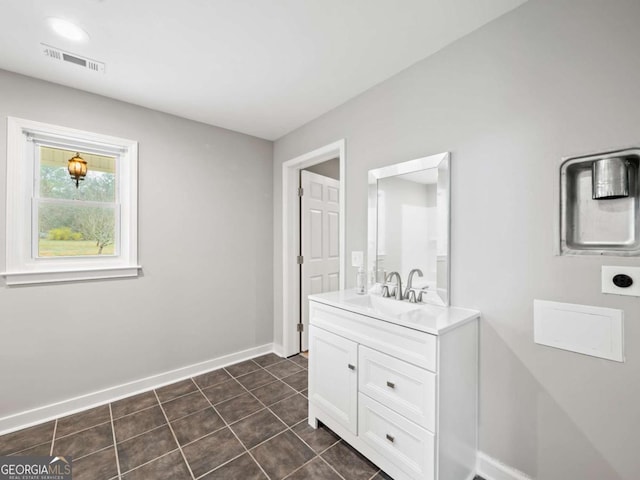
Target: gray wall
[
  {"x": 550, "y": 79},
  {"x": 330, "y": 168},
  {"x": 205, "y": 244}
]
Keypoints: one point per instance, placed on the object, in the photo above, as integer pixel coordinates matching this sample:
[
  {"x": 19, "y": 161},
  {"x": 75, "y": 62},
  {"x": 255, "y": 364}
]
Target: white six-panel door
[{"x": 319, "y": 240}]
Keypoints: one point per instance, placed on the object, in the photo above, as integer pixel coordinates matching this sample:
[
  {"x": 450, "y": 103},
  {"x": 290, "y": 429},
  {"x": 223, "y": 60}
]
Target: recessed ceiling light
[{"x": 68, "y": 30}]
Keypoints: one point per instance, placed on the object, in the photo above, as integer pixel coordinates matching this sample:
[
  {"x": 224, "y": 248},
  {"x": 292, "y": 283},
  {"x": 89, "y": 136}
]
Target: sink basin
[
  {"x": 433, "y": 319},
  {"x": 384, "y": 306}
]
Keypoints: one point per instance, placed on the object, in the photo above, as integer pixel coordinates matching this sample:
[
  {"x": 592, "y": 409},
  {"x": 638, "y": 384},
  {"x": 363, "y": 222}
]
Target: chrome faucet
[
  {"x": 410, "y": 283},
  {"x": 398, "y": 292}
]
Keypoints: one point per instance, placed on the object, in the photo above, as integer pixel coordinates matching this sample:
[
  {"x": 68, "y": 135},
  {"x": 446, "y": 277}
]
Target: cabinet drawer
[
  {"x": 413, "y": 346},
  {"x": 405, "y": 388},
  {"x": 403, "y": 443}
]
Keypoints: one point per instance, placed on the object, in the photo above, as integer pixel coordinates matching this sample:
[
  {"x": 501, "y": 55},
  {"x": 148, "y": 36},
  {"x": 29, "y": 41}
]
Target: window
[
  {"x": 72, "y": 220},
  {"x": 61, "y": 229}
]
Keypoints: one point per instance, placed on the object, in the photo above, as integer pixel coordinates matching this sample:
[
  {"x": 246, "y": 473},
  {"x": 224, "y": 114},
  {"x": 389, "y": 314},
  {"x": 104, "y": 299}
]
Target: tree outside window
[{"x": 76, "y": 221}]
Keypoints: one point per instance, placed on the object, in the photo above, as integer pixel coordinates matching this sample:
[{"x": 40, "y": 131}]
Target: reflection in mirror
[{"x": 409, "y": 224}]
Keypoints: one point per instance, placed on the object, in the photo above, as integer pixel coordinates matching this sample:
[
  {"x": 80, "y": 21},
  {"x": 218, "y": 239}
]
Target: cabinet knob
[
  {"x": 352, "y": 367},
  {"x": 391, "y": 438},
  {"x": 391, "y": 384}
]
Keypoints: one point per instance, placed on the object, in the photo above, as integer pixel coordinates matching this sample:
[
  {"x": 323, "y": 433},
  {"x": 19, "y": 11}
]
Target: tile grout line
[
  {"x": 53, "y": 439},
  {"x": 340, "y": 439},
  {"x": 319, "y": 454},
  {"x": 173, "y": 420},
  {"x": 204, "y": 389},
  {"x": 323, "y": 450},
  {"x": 323, "y": 461},
  {"x": 150, "y": 461},
  {"x": 198, "y": 388},
  {"x": 277, "y": 401},
  {"x": 143, "y": 433},
  {"x": 203, "y": 436},
  {"x": 83, "y": 429},
  {"x": 93, "y": 453},
  {"x": 227, "y": 424},
  {"x": 131, "y": 413},
  {"x": 234, "y": 433},
  {"x": 172, "y": 398},
  {"x": 232, "y": 378},
  {"x": 102, "y": 449},
  {"x": 178, "y": 419},
  {"x": 301, "y": 467},
  {"x": 331, "y": 466},
  {"x": 115, "y": 443},
  {"x": 223, "y": 464},
  {"x": 152, "y": 390},
  {"x": 259, "y": 367},
  {"x": 290, "y": 428},
  {"x": 174, "y": 434}
]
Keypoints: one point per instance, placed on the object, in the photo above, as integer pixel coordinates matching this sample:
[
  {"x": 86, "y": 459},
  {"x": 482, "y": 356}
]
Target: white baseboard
[
  {"x": 45, "y": 413},
  {"x": 278, "y": 350},
  {"x": 492, "y": 469}
]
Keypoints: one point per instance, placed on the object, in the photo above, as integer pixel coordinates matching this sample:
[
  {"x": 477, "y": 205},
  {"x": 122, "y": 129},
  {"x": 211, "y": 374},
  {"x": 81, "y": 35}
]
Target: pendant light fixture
[{"x": 77, "y": 168}]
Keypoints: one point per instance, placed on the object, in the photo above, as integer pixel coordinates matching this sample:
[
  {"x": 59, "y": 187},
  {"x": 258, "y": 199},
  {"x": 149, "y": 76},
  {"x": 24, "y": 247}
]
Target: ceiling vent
[{"x": 64, "y": 56}]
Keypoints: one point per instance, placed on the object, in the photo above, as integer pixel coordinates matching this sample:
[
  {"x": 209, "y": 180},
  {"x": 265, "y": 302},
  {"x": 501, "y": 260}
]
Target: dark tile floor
[{"x": 247, "y": 421}]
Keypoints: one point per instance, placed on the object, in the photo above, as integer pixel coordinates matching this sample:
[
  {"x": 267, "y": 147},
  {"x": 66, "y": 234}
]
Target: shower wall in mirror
[{"x": 409, "y": 224}]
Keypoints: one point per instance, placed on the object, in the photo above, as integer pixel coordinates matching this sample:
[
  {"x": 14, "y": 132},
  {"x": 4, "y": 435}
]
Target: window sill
[{"x": 37, "y": 277}]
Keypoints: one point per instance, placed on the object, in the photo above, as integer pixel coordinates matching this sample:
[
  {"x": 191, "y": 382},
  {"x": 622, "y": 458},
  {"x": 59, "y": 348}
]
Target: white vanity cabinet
[{"x": 402, "y": 390}]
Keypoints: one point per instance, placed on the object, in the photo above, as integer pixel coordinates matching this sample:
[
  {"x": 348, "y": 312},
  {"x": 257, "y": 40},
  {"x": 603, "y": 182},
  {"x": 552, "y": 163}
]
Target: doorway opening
[{"x": 321, "y": 161}]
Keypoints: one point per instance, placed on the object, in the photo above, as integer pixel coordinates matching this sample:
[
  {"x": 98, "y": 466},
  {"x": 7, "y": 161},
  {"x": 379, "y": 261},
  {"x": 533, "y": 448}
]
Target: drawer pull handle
[
  {"x": 391, "y": 438},
  {"x": 391, "y": 384},
  {"x": 352, "y": 367}
]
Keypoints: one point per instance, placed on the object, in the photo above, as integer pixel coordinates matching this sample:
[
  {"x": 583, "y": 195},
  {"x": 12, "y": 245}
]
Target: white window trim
[{"x": 21, "y": 267}]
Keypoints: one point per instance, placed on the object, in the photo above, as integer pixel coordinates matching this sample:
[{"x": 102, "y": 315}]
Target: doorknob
[{"x": 352, "y": 367}]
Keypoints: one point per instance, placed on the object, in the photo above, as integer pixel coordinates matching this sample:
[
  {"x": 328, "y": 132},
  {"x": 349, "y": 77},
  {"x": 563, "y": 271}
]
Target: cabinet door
[{"x": 333, "y": 376}]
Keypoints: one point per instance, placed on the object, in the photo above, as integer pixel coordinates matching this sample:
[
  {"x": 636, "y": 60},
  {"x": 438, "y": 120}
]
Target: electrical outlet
[
  {"x": 621, "y": 280},
  {"x": 357, "y": 259}
]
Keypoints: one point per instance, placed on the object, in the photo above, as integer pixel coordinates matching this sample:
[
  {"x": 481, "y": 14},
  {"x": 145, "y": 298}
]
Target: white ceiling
[{"x": 262, "y": 67}]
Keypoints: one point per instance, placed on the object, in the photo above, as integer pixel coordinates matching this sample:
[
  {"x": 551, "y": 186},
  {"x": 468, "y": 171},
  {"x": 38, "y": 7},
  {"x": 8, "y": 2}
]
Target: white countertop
[{"x": 418, "y": 316}]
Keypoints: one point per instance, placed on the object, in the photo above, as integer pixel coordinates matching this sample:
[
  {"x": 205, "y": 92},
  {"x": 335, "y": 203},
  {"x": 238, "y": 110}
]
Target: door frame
[{"x": 291, "y": 236}]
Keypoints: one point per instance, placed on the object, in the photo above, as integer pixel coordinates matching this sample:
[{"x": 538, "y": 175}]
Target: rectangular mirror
[{"x": 409, "y": 224}]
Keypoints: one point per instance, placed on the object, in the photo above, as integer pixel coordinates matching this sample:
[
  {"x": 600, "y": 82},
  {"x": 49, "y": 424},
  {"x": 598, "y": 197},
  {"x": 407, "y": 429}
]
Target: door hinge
[
  {"x": 300, "y": 327},
  {"x": 300, "y": 191},
  {"x": 300, "y": 259}
]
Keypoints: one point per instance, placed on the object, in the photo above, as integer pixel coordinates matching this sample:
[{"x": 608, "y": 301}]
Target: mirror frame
[{"x": 442, "y": 294}]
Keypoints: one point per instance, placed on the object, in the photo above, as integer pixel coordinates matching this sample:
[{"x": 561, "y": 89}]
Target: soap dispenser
[
  {"x": 357, "y": 260},
  {"x": 361, "y": 281}
]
